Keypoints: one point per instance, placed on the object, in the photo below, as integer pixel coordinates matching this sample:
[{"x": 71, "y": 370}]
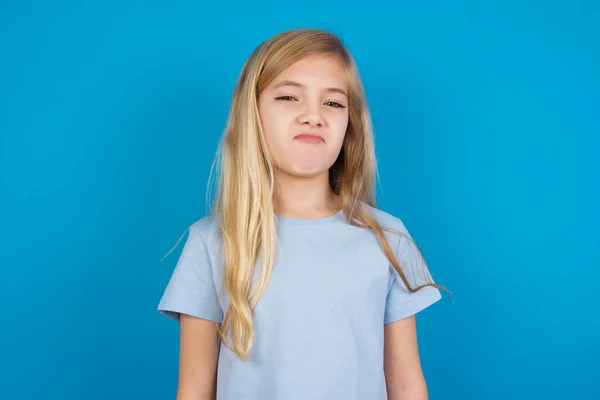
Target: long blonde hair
[{"x": 244, "y": 203}]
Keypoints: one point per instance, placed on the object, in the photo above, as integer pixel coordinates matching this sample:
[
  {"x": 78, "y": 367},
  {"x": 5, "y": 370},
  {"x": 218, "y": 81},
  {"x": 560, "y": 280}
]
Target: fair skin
[
  {"x": 402, "y": 364},
  {"x": 309, "y": 97},
  {"x": 198, "y": 356}
]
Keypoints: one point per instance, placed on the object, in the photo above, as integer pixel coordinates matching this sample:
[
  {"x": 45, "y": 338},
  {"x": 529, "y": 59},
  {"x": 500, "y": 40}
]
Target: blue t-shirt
[{"x": 319, "y": 327}]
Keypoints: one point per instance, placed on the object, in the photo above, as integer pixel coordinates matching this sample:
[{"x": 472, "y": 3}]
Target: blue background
[{"x": 487, "y": 125}]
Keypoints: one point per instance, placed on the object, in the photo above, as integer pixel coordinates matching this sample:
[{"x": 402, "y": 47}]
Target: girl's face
[{"x": 304, "y": 115}]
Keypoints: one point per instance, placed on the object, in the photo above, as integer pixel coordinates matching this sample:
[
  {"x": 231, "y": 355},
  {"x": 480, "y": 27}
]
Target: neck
[{"x": 305, "y": 197}]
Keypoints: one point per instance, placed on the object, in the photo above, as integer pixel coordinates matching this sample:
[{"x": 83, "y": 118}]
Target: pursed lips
[{"x": 310, "y": 138}]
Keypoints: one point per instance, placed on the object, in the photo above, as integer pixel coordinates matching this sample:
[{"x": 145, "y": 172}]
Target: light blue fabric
[{"x": 319, "y": 326}]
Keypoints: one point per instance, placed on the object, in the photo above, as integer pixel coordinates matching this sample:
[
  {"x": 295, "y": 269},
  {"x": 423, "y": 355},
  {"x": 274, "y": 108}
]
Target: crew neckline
[{"x": 310, "y": 221}]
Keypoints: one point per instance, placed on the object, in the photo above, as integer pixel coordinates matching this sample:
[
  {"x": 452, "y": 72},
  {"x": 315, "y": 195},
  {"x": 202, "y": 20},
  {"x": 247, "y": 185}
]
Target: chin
[{"x": 306, "y": 172}]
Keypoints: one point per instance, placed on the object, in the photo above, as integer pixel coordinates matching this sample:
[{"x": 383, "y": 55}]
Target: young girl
[{"x": 296, "y": 287}]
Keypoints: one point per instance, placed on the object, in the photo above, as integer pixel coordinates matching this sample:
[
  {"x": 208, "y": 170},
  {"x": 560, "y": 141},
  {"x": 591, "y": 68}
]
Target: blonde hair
[{"x": 246, "y": 184}]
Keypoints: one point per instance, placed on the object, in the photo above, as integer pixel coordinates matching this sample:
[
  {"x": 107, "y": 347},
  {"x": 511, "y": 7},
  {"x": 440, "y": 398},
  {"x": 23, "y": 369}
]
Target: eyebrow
[{"x": 299, "y": 85}]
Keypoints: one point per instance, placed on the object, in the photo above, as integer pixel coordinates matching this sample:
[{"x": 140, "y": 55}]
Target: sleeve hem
[
  {"x": 175, "y": 313},
  {"x": 413, "y": 307}
]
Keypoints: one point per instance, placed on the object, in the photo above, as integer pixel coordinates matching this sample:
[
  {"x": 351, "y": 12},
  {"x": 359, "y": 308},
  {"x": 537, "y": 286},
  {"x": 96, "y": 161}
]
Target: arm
[
  {"x": 403, "y": 372},
  {"x": 199, "y": 353}
]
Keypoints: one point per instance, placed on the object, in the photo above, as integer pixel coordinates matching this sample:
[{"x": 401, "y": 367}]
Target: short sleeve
[
  {"x": 400, "y": 302},
  {"x": 191, "y": 289}
]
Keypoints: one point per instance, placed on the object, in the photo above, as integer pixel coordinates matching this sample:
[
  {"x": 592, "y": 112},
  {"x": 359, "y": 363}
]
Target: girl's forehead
[{"x": 315, "y": 70}]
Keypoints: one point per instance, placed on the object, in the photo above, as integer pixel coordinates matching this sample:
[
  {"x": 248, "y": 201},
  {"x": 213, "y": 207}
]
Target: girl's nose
[{"x": 311, "y": 115}]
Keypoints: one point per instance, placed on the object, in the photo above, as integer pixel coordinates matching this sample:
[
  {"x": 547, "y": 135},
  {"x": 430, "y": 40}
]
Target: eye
[
  {"x": 334, "y": 104},
  {"x": 285, "y": 98}
]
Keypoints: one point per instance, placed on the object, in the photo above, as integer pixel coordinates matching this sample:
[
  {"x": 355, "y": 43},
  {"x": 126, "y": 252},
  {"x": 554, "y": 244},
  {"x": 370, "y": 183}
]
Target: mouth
[{"x": 310, "y": 138}]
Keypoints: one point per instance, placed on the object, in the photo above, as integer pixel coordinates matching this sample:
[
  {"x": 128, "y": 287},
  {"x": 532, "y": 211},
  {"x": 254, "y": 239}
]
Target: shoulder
[
  {"x": 394, "y": 227},
  {"x": 205, "y": 224},
  {"x": 205, "y": 229},
  {"x": 387, "y": 220}
]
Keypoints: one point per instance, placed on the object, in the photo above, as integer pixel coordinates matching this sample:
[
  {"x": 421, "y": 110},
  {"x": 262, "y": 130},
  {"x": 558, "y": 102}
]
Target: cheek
[
  {"x": 273, "y": 129},
  {"x": 338, "y": 128},
  {"x": 267, "y": 123},
  {"x": 269, "y": 117}
]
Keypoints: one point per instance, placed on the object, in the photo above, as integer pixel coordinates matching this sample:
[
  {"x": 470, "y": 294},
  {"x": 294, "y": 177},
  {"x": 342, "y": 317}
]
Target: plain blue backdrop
[{"x": 486, "y": 115}]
